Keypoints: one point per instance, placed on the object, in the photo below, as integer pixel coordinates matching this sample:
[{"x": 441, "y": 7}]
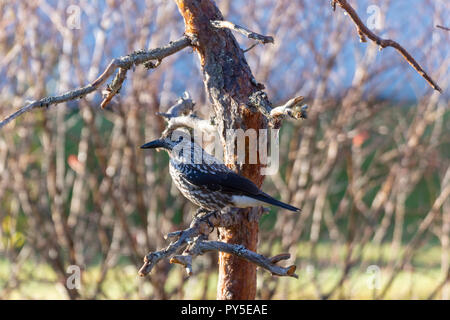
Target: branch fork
[{"x": 193, "y": 241}]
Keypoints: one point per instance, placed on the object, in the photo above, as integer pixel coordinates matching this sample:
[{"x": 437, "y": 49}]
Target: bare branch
[
  {"x": 443, "y": 28},
  {"x": 197, "y": 227},
  {"x": 280, "y": 257},
  {"x": 181, "y": 115},
  {"x": 194, "y": 242},
  {"x": 251, "y": 47},
  {"x": 185, "y": 260},
  {"x": 199, "y": 247},
  {"x": 123, "y": 63},
  {"x": 191, "y": 121},
  {"x": 293, "y": 108},
  {"x": 185, "y": 105},
  {"x": 333, "y": 4},
  {"x": 364, "y": 32},
  {"x": 114, "y": 87},
  {"x": 246, "y": 32}
]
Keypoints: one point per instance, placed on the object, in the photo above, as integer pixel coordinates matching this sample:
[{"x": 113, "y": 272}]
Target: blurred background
[{"x": 369, "y": 168}]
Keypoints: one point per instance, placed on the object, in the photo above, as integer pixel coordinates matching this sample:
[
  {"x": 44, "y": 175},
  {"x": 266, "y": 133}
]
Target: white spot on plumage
[{"x": 245, "y": 202}]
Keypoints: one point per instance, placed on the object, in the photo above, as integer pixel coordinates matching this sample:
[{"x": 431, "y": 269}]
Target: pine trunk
[{"x": 229, "y": 83}]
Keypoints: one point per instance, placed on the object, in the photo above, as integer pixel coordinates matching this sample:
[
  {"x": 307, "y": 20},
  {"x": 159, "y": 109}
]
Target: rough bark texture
[{"x": 229, "y": 83}]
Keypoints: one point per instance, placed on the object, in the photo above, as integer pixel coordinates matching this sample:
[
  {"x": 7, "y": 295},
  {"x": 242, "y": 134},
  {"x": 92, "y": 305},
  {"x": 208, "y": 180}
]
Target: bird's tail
[{"x": 268, "y": 199}]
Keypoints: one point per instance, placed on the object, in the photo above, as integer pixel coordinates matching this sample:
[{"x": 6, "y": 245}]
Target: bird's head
[{"x": 167, "y": 142}]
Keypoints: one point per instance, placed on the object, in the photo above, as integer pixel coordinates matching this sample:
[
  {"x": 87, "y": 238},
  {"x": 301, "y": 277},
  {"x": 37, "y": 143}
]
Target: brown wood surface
[{"x": 229, "y": 83}]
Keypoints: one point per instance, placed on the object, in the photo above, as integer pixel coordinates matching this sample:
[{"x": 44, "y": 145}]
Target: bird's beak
[{"x": 154, "y": 144}]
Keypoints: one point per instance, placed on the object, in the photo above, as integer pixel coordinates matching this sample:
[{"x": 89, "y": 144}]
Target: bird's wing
[{"x": 223, "y": 179}]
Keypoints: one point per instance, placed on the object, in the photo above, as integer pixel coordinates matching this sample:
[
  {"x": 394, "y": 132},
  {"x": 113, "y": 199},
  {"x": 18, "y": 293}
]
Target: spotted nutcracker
[{"x": 207, "y": 182}]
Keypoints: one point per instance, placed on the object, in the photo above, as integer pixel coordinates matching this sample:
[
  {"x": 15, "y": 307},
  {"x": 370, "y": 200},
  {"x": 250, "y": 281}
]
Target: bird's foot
[
  {"x": 204, "y": 214},
  {"x": 200, "y": 213}
]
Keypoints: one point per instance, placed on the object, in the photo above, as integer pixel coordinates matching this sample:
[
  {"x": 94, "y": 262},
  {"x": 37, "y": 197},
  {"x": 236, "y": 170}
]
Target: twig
[
  {"x": 293, "y": 108},
  {"x": 364, "y": 32},
  {"x": 251, "y": 47},
  {"x": 123, "y": 63},
  {"x": 246, "y": 32},
  {"x": 185, "y": 260},
  {"x": 114, "y": 87},
  {"x": 443, "y": 28},
  {"x": 184, "y": 105},
  {"x": 181, "y": 115},
  {"x": 333, "y": 4}
]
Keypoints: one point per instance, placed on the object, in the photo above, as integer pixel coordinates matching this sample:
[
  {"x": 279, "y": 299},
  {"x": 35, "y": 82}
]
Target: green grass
[{"x": 39, "y": 281}]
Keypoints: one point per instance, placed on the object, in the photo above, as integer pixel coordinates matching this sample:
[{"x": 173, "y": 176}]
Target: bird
[{"x": 208, "y": 183}]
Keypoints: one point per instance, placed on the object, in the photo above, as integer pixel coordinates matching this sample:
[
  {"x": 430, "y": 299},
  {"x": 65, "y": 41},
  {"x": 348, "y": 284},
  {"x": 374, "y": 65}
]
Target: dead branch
[
  {"x": 246, "y": 32},
  {"x": 193, "y": 242},
  {"x": 122, "y": 63},
  {"x": 251, "y": 47},
  {"x": 181, "y": 114},
  {"x": 294, "y": 108},
  {"x": 364, "y": 32},
  {"x": 442, "y": 27},
  {"x": 114, "y": 88},
  {"x": 199, "y": 247},
  {"x": 199, "y": 226}
]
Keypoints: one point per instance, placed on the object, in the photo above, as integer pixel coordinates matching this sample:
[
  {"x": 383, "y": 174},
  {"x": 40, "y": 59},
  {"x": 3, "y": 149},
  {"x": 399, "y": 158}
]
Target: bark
[{"x": 229, "y": 83}]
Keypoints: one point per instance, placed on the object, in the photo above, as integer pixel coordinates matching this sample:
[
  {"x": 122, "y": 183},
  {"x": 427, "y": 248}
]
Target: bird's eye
[{"x": 176, "y": 140}]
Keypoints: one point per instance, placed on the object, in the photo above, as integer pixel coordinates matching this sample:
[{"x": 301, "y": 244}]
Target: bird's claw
[{"x": 203, "y": 214}]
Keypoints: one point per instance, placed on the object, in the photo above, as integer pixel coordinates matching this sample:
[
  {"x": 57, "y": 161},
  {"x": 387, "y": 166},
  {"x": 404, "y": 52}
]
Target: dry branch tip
[{"x": 364, "y": 32}]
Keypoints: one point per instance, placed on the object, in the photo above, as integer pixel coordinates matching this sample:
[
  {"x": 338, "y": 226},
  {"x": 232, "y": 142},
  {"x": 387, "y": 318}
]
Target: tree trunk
[{"x": 229, "y": 83}]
